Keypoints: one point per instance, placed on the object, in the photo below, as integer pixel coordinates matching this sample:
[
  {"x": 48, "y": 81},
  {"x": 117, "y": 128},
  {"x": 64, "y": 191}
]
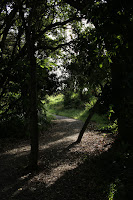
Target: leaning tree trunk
[{"x": 91, "y": 113}]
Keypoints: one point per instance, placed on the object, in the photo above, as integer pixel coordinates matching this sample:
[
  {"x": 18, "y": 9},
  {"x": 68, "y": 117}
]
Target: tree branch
[
  {"x": 57, "y": 47},
  {"x": 17, "y": 41},
  {"x": 49, "y": 27},
  {"x": 9, "y": 23},
  {"x": 78, "y": 4}
]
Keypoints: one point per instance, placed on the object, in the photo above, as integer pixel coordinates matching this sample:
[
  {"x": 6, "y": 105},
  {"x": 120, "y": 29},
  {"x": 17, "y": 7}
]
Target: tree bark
[
  {"x": 33, "y": 118},
  {"x": 33, "y": 115},
  {"x": 122, "y": 86},
  {"x": 123, "y": 102}
]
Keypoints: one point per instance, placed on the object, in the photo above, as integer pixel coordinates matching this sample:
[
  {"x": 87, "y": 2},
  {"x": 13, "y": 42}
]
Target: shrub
[
  {"x": 72, "y": 100},
  {"x": 12, "y": 127}
]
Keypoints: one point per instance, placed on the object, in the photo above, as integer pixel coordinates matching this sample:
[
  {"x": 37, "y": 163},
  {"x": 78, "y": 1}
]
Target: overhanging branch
[
  {"x": 57, "y": 47},
  {"x": 56, "y": 24}
]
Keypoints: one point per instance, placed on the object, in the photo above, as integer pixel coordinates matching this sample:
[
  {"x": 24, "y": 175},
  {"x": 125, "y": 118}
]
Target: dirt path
[{"x": 64, "y": 173}]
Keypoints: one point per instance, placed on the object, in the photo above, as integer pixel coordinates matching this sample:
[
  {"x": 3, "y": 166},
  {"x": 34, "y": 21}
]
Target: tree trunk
[
  {"x": 92, "y": 111},
  {"x": 123, "y": 101},
  {"x": 33, "y": 118},
  {"x": 122, "y": 82}
]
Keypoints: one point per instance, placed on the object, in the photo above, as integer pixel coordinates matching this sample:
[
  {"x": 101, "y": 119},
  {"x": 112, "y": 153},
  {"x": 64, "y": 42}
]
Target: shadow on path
[{"x": 82, "y": 171}]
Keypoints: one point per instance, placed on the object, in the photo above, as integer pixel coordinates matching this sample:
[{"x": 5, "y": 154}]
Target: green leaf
[{"x": 101, "y": 65}]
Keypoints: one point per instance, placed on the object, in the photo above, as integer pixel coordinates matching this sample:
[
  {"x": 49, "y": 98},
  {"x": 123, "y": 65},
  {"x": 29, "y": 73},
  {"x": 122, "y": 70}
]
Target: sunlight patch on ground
[
  {"x": 25, "y": 149},
  {"x": 16, "y": 151},
  {"x": 70, "y": 139},
  {"x": 54, "y": 175}
]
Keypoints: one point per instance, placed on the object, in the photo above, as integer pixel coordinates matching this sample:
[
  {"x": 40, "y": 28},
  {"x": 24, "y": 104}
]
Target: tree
[
  {"x": 114, "y": 25},
  {"x": 31, "y": 31}
]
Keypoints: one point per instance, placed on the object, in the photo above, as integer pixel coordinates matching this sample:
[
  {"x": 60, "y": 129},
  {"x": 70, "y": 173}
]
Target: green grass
[{"x": 55, "y": 105}]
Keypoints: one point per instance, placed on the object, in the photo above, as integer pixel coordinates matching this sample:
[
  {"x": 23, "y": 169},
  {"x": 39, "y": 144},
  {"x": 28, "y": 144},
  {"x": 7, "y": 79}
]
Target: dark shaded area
[{"x": 91, "y": 179}]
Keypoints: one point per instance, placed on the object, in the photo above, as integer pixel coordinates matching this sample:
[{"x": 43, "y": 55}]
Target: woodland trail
[{"x": 64, "y": 173}]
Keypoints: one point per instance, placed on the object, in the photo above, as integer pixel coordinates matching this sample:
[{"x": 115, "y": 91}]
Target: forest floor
[{"x": 84, "y": 171}]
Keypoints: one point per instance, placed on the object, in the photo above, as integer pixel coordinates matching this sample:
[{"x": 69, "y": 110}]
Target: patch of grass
[
  {"x": 55, "y": 99},
  {"x": 55, "y": 105}
]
